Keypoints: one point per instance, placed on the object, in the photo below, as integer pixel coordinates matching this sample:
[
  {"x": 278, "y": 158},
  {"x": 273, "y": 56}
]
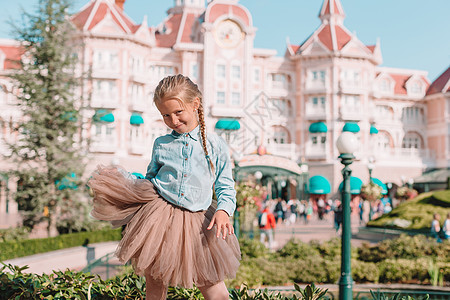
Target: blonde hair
[{"x": 180, "y": 87}]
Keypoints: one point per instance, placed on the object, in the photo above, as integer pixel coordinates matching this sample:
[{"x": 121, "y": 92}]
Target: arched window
[
  {"x": 412, "y": 140},
  {"x": 279, "y": 135},
  {"x": 383, "y": 141}
]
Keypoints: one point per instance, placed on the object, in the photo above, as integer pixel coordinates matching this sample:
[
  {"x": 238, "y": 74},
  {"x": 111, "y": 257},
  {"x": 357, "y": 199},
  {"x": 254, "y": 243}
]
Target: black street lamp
[
  {"x": 236, "y": 212},
  {"x": 346, "y": 144}
]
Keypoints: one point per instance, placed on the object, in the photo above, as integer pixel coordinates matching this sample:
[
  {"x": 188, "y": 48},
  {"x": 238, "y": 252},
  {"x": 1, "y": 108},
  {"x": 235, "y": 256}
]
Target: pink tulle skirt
[{"x": 167, "y": 242}]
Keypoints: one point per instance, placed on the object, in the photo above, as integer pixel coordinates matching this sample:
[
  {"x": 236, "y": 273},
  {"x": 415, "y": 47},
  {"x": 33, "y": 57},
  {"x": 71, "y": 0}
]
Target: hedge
[{"x": 14, "y": 249}]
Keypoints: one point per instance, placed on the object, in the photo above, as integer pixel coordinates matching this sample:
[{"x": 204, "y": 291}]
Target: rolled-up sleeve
[{"x": 224, "y": 183}]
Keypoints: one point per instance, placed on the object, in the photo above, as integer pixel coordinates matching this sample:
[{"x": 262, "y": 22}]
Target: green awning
[
  {"x": 373, "y": 129},
  {"x": 68, "y": 182},
  {"x": 138, "y": 175},
  {"x": 319, "y": 185},
  {"x": 355, "y": 185},
  {"x": 228, "y": 124},
  {"x": 318, "y": 127},
  {"x": 351, "y": 127},
  {"x": 136, "y": 119},
  {"x": 377, "y": 181},
  {"x": 103, "y": 115}
]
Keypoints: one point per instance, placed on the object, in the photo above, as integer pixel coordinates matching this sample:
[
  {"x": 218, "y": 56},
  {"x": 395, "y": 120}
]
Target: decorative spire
[{"x": 332, "y": 12}]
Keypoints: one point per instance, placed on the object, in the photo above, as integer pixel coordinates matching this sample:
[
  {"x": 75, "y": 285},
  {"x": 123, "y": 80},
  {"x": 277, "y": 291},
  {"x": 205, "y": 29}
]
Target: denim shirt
[{"x": 181, "y": 173}]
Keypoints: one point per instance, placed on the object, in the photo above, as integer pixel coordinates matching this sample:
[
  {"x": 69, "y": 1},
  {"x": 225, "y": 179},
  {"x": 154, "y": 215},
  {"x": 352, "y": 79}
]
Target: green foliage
[
  {"x": 48, "y": 149},
  {"x": 13, "y": 249},
  {"x": 403, "y": 270},
  {"x": 405, "y": 246},
  {"x": 382, "y": 296},
  {"x": 252, "y": 248},
  {"x": 298, "y": 250},
  {"x": 419, "y": 211},
  {"x": 14, "y": 234}
]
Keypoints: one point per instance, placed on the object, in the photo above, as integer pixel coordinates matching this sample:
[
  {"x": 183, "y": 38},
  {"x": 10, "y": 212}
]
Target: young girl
[{"x": 175, "y": 235}]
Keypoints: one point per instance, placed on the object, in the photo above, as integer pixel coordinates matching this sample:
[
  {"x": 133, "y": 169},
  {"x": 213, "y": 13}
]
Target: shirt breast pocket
[{"x": 196, "y": 193}]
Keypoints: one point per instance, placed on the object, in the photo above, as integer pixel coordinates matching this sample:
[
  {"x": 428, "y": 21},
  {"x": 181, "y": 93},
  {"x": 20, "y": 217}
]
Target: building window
[
  {"x": 416, "y": 88},
  {"x": 318, "y": 75},
  {"x": 412, "y": 114},
  {"x": 105, "y": 60},
  {"x": 278, "y": 105},
  {"x": 194, "y": 71},
  {"x": 411, "y": 140},
  {"x": 136, "y": 93},
  {"x": 158, "y": 71},
  {"x": 318, "y": 102},
  {"x": 236, "y": 72},
  {"x": 220, "y": 98},
  {"x": 256, "y": 74},
  {"x": 385, "y": 85},
  {"x": 137, "y": 65},
  {"x": 235, "y": 98},
  {"x": 318, "y": 139},
  {"x": 351, "y": 101},
  {"x": 279, "y": 81},
  {"x": 105, "y": 89},
  {"x": 350, "y": 76},
  {"x": 383, "y": 141},
  {"x": 221, "y": 71}
]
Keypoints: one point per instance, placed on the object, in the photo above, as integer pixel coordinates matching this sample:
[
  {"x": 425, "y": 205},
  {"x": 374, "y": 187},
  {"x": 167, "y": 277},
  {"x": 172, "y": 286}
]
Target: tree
[{"x": 48, "y": 154}]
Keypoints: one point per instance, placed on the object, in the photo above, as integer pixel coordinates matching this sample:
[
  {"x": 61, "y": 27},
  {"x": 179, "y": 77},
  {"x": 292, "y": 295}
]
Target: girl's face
[{"x": 179, "y": 117}]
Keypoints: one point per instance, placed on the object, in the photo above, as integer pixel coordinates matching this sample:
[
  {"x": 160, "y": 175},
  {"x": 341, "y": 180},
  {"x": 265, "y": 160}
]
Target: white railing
[
  {"x": 137, "y": 147},
  {"x": 103, "y": 145},
  {"x": 105, "y": 100},
  {"x": 315, "y": 110},
  {"x": 351, "y": 112},
  {"x": 285, "y": 150},
  {"x": 315, "y": 85},
  {"x": 404, "y": 153},
  {"x": 316, "y": 151}
]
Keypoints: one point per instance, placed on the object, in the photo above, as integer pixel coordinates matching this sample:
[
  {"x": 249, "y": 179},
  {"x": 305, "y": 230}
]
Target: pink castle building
[{"x": 295, "y": 105}]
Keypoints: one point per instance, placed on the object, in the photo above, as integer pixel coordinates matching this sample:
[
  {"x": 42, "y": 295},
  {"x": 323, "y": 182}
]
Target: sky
[{"x": 414, "y": 34}]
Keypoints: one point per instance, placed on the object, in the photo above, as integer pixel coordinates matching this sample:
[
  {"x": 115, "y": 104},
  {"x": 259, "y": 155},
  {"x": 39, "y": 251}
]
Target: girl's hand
[{"x": 222, "y": 221}]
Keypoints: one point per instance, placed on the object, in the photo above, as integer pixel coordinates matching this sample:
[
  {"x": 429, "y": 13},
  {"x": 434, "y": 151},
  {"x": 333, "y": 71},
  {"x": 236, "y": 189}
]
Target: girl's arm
[
  {"x": 225, "y": 192},
  {"x": 153, "y": 166}
]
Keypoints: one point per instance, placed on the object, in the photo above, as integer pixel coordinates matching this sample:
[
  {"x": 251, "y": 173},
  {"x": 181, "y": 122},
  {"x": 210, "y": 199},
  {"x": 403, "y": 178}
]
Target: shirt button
[
  {"x": 185, "y": 175},
  {"x": 185, "y": 158},
  {"x": 187, "y": 144},
  {"x": 182, "y": 194}
]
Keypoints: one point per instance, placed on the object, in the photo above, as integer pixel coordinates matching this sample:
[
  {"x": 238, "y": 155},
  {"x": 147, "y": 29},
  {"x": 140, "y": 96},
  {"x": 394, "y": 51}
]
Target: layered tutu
[{"x": 162, "y": 240}]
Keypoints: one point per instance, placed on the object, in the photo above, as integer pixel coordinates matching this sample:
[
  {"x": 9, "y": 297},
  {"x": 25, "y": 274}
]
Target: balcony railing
[
  {"x": 137, "y": 147},
  {"x": 103, "y": 145},
  {"x": 315, "y": 111},
  {"x": 316, "y": 151},
  {"x": 137, "y": 105},
  {"x": 105, "y": 100},
  {"x": 285, "y": 150},
  {"x": 409, "y": 154},
  {"x": 351, "y": 112}
]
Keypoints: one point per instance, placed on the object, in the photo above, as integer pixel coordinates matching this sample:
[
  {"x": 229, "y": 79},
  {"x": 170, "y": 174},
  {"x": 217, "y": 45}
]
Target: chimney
[{"x": 120, "y": 4}]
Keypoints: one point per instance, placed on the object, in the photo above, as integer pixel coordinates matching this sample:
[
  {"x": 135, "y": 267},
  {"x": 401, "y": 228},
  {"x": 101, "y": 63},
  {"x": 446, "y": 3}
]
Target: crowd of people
[{"x": 281, "y": 212}]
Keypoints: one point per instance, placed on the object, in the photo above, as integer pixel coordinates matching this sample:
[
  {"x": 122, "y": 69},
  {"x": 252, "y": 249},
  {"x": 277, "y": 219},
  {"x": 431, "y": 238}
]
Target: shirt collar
[{"x": 193, "y": 134}]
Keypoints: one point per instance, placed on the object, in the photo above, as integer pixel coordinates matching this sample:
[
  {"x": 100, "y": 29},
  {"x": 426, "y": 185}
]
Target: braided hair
[{"x": 180, "y": 87}]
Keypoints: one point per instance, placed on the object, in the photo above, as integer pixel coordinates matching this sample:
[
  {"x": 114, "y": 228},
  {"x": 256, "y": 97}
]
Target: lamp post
[
  {"x": 346, "y": 144},
  {"x": 236, "y": 159},
  {"x": 370, "y": 167}
]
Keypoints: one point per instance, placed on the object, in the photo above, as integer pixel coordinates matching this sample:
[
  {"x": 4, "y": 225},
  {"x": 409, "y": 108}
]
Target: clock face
[{"x": 228, "y": 34}]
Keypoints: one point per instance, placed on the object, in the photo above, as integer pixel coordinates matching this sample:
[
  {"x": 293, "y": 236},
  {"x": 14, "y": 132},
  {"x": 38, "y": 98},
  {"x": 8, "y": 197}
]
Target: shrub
[
  {"x": 404, "y": 247},
  {"x": 14, "y": 234},
  {"x": 365, "y": 271},
  {"x": 13, "y": 249},
  {"x": 403, "y": 270},
  {"x": 252, "y": 248},
  {"x": 299, "y": 250}
]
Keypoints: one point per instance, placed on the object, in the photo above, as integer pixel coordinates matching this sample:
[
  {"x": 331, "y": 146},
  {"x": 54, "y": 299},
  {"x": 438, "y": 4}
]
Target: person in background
[
  {"x": 267, "y": 224},
  {"x": 435, "y": 227},
  {"x": 279, "y": 210}
]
